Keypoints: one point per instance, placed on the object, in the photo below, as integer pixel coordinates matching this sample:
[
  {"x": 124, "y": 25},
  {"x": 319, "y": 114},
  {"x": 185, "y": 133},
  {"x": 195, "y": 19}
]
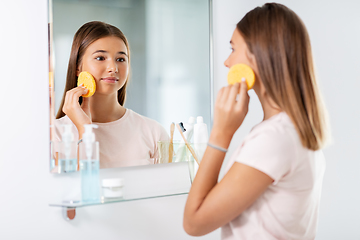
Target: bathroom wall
[{"x": 26, "y": 186}]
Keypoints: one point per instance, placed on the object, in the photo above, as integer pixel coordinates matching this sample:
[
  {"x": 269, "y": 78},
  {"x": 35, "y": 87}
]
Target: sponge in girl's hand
[
  {"x": 239, "y": 71},
  {"x": 89, "y": 82}
]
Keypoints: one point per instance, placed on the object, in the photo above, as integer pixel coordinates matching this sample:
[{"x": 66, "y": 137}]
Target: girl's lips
[{"x": 110, "y": 80}]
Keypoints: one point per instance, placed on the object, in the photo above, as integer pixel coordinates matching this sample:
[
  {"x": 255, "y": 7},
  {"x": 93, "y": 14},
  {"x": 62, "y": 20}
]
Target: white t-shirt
[
  {"x": 288, "y": 209},
  {"x": 128, "y": 141}
]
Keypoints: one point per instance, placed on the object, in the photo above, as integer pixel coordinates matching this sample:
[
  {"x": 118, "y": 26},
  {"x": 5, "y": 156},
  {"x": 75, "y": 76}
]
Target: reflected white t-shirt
[
  {"x": 288, "y": 209},
  {"x": 128, "y": 141}
]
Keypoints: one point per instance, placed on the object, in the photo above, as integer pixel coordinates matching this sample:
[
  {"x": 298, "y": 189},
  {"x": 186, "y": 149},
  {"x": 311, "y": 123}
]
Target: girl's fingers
[
  {"x": 72, "y": 98},
  {"x": 75, "y": 93},
  {"x": 234, "y": 91},
  {"x": 243, "y": 94},
  {"x": 224, "y": 95},
  {"x": 243, "y": 87},
  {"x": 82, "y": 92},
  {"x": 227, "y": 95},
  {"x": 219, "y": 96},
  {"x": 77, "y": 90}
]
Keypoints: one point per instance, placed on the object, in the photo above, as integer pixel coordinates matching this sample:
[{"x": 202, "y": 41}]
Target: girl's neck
[
  {"x": 270, "y": 108},
  {"x": 106, "y": 108}
]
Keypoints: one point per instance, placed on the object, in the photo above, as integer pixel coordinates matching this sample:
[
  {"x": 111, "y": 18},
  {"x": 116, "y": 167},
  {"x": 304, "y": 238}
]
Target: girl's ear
[{"x": 77, "y": 72}]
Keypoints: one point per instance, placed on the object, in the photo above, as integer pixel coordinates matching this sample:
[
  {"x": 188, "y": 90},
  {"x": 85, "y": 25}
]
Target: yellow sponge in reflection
[
  {"x": 89, "y": 82},
  {"x": 239, "y": 71}
]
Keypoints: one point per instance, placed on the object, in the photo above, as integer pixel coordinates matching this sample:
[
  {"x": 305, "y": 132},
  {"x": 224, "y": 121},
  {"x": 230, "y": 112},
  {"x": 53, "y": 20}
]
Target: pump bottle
[
  {"x": 89, "y": 166},
  {"x": 67, "y": 156}
]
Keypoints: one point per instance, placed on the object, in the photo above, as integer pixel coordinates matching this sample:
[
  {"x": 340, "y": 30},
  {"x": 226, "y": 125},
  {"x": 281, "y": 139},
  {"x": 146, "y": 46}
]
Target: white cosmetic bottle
[
  {"x": 89, "y": 166},
  {"x": 189, "y": 126},
  {"x": 67, "y": 155},
  {"x": 189, "y": 130},
  {"x": 201, "y": 137}
]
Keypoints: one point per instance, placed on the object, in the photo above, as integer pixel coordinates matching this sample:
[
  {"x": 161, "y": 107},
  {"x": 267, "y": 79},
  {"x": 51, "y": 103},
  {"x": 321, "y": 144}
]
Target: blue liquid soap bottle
[
  {"x": 89, "y": 166},
  {"x": 67, "y": 155}
]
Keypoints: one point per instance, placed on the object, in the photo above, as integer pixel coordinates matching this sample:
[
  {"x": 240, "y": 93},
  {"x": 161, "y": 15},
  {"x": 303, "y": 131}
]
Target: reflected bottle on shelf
[
  {"x": 67, "y": 156},
  {"x": 89, "y": 166}
]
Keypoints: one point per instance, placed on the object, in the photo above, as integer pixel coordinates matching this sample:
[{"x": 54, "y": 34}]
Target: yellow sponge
[
  {"x": 89, "y": 82},
  {"x": 239, "y": 71}
]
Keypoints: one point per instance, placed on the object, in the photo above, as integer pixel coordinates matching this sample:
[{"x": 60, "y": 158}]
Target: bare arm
[
  {"x": 210, "y": 204},
  {"x": 79, "y": 115}
]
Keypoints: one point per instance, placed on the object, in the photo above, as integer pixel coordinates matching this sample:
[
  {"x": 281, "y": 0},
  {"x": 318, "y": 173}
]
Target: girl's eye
[
  {"x": 232, "y": 49},
  {"x": 100, "y": 58},
  {"x": 120, "y": 59}
]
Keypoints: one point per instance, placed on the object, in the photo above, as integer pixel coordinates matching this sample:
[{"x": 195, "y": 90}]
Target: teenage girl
[
  {"x": 125, "y": 137},
  {"x": 272, "y": 186}
]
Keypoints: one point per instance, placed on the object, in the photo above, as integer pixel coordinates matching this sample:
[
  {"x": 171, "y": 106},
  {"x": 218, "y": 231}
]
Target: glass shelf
[
  {"x": 78, "y": 203},
  {"x": 142, "y": 182}
]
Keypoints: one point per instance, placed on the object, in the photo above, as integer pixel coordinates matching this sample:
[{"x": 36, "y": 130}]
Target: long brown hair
[
  {"x": 86, "y": 35},
  {"x": 278, "y": 39}
]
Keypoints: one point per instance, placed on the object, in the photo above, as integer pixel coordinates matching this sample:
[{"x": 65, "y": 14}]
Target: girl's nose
[
  {"x": 226, "y": 63},
  {"x": 113, "y": 67}
]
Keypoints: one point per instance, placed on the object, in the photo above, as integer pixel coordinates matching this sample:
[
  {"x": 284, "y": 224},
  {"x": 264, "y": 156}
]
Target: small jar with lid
[{"x": 112, "y": 188}]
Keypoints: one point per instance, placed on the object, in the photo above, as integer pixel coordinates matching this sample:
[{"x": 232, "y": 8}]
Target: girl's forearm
[{"x": 206, "y": 177}]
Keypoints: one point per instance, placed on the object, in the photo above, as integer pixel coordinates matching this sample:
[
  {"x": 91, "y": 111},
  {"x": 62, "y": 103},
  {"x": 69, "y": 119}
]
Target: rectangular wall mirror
[{"x": 170, "y": 74}]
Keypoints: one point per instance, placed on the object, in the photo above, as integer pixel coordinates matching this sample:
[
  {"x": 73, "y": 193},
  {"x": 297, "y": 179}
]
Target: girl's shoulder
[
  {"x": 276, "y": 132},
  {"x": 277, "y": 124},
  {"x": 147, "y": 124},
  {"x": 63, "y": 120},
  {"x": 134, "y": 116}
]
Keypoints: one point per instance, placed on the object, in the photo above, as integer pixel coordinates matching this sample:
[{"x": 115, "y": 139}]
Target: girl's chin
[{"x": 105, "y": 92}]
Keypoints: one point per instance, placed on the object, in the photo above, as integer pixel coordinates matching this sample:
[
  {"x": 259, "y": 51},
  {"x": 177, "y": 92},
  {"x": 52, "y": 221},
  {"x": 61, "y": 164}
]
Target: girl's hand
[
  {"x": 79, "y": 115},
  {"x": 231, "y": 107}
]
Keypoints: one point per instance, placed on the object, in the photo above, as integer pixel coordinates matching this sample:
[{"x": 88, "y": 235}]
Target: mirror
[{"x": 169, "y": 43}]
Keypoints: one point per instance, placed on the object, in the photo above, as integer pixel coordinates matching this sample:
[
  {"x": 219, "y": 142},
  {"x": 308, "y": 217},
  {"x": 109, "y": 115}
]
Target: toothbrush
[
  {"x": 171, "y": 146},
  {"x": 187, "y": 143}
]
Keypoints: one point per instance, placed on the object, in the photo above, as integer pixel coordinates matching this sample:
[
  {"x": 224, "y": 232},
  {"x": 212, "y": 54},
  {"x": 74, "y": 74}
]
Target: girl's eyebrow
[
  {"x": 123, "y": 53},
  {"x": 100, "y": 51},
  {"x": 231, "y": 42},
  {"x": 103, "y": 51}
]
